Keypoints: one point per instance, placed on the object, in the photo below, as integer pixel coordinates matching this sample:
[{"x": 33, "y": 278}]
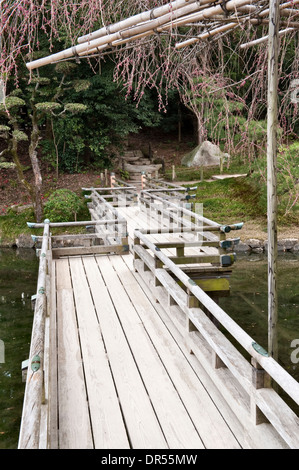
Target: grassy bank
[
  {"x": 13, "y": 224},
  {"x": 245, "y": 198},
  {"x": 231, "y": 200}
]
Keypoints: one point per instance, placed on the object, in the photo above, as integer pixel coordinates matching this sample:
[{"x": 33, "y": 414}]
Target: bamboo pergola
[{"x": 212, "y": 19}]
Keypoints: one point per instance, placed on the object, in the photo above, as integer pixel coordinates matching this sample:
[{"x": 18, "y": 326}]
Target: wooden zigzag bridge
[{"x": 130, "y": 349}]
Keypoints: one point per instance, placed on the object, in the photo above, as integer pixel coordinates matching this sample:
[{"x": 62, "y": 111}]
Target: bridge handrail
[
  {"x": 109, "y": 206},
  {"x": 288, "y": 384},
  {"x": 72, "y": 224},
  {"x": 161, "y": 183},
  {"x": 29, "y": 436},
  {"x": 277, "y": 372},
  {"x": 111, "y": 188},
  {"x": 200, "y": 219}
]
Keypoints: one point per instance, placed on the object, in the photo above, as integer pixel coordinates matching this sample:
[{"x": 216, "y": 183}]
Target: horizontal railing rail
[
  {"x": 148, "y": 198},
  {"x": 31, "y": 422},
  {"x": 120, "y": 192},
  {"x": 199, "y": 308}
]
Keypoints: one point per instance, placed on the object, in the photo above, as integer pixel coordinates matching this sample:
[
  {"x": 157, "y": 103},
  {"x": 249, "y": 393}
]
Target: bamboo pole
[
  {"x": 213, "y": 11},
  {"x": 235, "y": 24},
  {"x": 206, "y": 35},
  {"x": 189, "y": 13},
  {"x": 119, "y": 35},
  {"x": 264, "y": 39},
  {"x": 133, "y": 20},
  {"x": 282, "y": 7},
  {"x": 273, "y": 48}
]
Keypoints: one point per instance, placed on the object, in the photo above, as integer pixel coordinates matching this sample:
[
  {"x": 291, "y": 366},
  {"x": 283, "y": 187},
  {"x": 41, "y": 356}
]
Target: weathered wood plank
[
  {"x": 143, "y": 428},
  {"x": 209, "y": 422},
  {"x": 53, "y": 393},
  {"x": 74, "y": 423},
  {"x": 107, "y": 424},
  {"x": 175, "y": 422},
  {"x": 98, "y": 249},
  {"x": 224, "y": 392}
]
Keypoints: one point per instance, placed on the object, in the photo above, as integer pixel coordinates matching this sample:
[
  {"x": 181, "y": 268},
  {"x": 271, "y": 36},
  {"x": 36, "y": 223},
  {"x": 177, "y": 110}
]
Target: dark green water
[
  {"x": 247, "y": 305},
  {"x": 18, "y": 277}
]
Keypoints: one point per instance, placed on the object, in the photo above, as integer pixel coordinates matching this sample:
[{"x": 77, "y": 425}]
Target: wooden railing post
[{"x": 260, "y": 379}]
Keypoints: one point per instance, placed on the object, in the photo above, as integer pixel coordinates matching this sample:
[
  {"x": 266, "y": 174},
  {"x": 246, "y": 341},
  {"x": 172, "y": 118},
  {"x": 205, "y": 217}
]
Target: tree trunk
[
  {"x": 273, "y": 51},
  {"x": 201, "y": 132},
  {"x": 13, "y": 150},
  {"x": 38, "y": 207}
]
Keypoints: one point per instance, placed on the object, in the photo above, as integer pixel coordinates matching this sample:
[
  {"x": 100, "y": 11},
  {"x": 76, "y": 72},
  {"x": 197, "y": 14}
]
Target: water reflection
[{"x": 18, "y": 274}]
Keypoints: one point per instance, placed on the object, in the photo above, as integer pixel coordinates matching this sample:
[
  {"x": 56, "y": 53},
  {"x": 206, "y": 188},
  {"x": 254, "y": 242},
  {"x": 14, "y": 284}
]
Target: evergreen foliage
[{"x": 63, "y": 206}]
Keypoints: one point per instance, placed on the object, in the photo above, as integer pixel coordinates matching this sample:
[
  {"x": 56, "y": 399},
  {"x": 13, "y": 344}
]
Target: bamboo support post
[
  {"x": 112, "y": 180},
  {"x": 272, "y": 125},
  {"x": 173, "y": 173},
  {"x": 143, "y": 180}
]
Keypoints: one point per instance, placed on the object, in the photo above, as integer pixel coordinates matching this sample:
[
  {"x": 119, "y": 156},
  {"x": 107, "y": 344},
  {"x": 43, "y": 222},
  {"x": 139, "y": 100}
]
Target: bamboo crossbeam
[
  {"x": 133, "y": 20},
  {"x": 264, "y": 39},
  {"x": 184, "y": 14},
  {"x": 119, "y": 35}
]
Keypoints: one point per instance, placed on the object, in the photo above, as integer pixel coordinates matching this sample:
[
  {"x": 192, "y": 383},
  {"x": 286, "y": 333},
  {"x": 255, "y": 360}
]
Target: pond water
[
  {"x": 18, "y": 277},
  {"x": 247, "y": 304}
]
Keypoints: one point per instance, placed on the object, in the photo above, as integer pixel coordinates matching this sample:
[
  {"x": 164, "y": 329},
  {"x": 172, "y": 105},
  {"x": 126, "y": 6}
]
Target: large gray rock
[
  {"x": 206, "y": 154},
  {"x": 24, "y": 240}
]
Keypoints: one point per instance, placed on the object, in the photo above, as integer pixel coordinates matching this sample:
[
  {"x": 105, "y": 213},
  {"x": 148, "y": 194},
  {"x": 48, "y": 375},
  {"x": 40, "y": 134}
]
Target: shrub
[{"x": 63, "y": 206}]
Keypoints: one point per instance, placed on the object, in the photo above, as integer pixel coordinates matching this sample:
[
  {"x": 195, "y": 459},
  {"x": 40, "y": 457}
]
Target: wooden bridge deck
[
  {"x": 123, "y": 381},
  {"x": 124, "y": 377},
  {"x": 132, "y": 361}
]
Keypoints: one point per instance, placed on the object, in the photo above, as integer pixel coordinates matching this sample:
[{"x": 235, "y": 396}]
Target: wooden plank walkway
[
  {"x": 118, "y": 371},
  {"x": 124, "y": 379},
  {"x": 123, "y": 382}
]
